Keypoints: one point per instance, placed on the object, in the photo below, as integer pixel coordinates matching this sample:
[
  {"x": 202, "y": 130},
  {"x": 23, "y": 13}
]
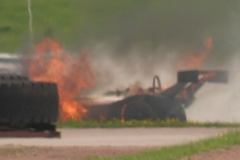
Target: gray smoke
[
  {"x": 214, "y": 102},
  {"x": 119, "y": 72},
  {"x": 150, "y": 38},
  {"x": 219, "y": 102}
]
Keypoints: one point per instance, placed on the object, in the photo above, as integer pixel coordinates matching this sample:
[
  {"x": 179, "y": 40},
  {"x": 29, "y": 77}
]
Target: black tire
[
  {"x": 138, "y": 110},
  {"x": 23, "y": 102},
  {"x": 177, "y": 112}
]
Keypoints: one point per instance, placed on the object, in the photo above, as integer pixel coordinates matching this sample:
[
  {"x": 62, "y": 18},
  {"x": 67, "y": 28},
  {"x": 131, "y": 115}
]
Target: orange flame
[
  {"x": 194, "y": 60},
  {"x": 52, "y": 64}
]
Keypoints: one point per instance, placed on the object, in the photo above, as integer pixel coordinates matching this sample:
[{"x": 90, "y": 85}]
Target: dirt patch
[
  {"x": 218, "y": 154},
  {"x": 63, "y": 153}
]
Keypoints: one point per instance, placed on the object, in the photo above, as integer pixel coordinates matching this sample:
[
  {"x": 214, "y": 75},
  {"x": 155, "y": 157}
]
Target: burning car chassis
[{"x": 156, "y": 103}]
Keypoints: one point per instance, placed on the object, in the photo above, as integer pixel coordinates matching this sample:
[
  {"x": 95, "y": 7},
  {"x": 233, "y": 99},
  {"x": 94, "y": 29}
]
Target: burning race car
[{"x": 155, "y": 103}]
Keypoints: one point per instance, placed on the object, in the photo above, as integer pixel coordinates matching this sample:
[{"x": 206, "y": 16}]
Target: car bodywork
[{"x": 155, "y": 103}]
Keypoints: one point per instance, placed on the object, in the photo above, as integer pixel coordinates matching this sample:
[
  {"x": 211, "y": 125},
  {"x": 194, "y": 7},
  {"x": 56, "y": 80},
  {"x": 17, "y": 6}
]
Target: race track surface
[{"x": 142, "y": 137}]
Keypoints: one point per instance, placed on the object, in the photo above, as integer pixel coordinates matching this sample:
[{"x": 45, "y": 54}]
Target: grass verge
[
  {"x": 14, "y": 150},
  {"x": 140, "y": 123},
  {"x": 175, "y": 152}
]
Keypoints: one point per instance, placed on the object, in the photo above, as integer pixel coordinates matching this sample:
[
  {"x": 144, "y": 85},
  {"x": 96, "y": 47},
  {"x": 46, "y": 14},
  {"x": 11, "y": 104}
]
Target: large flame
[
  {"x": 195, "y": 60},
  {"x": 53, "y": 64}
]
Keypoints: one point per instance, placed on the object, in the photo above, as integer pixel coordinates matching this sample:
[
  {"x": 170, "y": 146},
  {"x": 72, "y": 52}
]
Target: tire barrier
[{"x": 27, "y": 103}]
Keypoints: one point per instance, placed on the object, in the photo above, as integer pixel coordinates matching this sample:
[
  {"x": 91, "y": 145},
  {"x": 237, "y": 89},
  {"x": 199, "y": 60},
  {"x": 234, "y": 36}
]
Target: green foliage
[
  {"x": 79, "y": 23},
  {"x": 11, "y": 150},
  {"x": 55, "y": 15}
]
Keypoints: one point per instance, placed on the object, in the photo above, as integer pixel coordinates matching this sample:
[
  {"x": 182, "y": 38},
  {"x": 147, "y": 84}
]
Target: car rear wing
[{"x": 196, "y": 76}]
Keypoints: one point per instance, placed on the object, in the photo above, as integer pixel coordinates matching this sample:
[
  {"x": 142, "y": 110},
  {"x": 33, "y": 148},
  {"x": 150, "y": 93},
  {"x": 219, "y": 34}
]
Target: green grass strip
[
  {"x": 14, "y": 150},
  {"x": 140, "y": 123},
  {"x": 175, "y": 152}
]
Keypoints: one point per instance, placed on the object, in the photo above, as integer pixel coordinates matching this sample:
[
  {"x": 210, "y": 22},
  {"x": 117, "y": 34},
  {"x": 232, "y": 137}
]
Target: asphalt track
[{"x": 142, "y": 137}]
